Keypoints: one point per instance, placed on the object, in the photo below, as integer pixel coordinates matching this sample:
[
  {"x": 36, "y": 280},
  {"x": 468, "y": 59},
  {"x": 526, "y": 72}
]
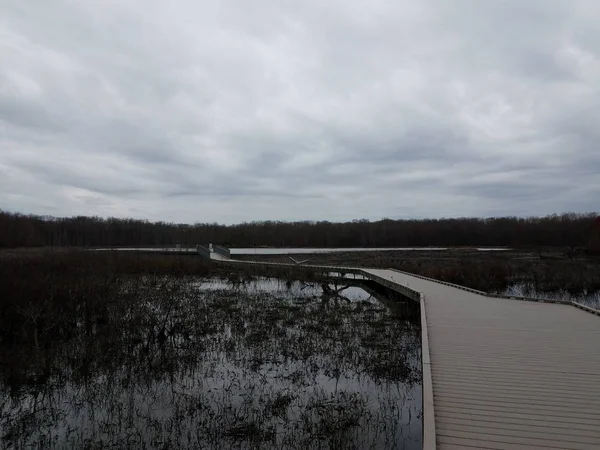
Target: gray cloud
[{"x": 224, "y": 111}]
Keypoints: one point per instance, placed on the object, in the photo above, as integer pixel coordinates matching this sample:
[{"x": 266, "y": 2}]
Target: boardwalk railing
[
  {"x": 223, "y": 251},
  {"x": 203, "y": 251}
]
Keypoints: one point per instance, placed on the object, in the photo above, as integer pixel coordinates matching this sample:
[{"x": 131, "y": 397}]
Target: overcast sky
[{"x": 237, "y": 110}]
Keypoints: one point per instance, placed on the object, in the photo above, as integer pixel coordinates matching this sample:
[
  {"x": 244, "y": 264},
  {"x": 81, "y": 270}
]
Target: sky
[{"x": 235, "y": 110}]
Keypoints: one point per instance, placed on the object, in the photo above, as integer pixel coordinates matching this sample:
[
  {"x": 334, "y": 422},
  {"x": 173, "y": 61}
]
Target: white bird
[{"x": 299, "y": 262}]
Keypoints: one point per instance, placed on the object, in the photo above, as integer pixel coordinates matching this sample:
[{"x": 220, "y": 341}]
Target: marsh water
[
  {"x": 213, "y": 363},
  {"x": 296, "y": 250}
]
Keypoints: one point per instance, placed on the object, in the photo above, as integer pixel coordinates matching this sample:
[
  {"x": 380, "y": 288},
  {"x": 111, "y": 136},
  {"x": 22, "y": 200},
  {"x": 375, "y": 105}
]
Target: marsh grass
[
  {"x": 528, "y": 288},
  {"x": 99, "y": 357}
]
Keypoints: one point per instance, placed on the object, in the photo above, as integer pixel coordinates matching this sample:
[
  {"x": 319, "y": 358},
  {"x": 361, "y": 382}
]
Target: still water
[
  {"x": 297, "y": 250},
  {"x": 294, "y": 251},
  {"x": 222, "y": 364}
]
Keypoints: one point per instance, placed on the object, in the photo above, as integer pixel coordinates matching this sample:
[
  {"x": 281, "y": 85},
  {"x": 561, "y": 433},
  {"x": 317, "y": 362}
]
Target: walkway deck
[
  {"x": 501, "y": 373},
  {"x": 509, "y": 373}
]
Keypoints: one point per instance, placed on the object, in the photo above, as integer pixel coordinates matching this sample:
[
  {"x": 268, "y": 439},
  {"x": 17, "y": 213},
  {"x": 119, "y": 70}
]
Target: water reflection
[{"x": 205, "y": 364}]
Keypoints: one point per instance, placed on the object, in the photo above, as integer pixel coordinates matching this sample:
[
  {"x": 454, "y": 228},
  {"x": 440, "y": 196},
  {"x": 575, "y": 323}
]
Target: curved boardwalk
[
  {"x": 507, "y": 373},
  {"x": 500, "y": 373}
]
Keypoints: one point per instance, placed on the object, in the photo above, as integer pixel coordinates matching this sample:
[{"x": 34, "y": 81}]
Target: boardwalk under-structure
[{"x": 501, "y": 373}]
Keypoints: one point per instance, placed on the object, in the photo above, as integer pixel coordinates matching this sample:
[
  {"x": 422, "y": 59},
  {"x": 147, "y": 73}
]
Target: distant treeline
[{"x": 581, "y": 230}]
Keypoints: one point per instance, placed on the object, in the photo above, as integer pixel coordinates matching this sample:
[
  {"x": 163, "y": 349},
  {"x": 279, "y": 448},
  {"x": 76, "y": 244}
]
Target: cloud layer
[{"x": 232, "y": 111}]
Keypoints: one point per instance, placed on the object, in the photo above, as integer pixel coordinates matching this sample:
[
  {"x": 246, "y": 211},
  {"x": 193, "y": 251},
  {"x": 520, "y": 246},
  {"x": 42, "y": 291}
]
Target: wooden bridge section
[
  {"x": 498, "y": 372},
  {"x": 506, "y": 373}
]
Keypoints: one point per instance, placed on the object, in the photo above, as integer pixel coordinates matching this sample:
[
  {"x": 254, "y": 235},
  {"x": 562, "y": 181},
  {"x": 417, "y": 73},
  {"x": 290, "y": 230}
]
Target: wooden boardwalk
[
  {"x": 501, "y": 373},
  {"x": 507, "y": 373}
]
